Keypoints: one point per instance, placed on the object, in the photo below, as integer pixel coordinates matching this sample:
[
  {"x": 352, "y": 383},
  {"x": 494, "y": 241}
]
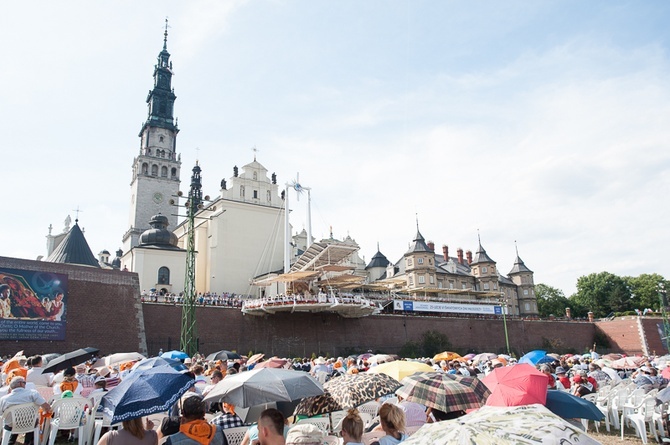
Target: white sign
[{"x": 460, "y": 308}]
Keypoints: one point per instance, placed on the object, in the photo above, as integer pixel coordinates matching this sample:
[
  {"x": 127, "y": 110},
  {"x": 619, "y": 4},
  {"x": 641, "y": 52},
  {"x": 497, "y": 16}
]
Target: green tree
[
  {"x": 601, "y": 293},
  {"x": 645, "y": 290},
  {"x": 550, "y": 301},
  {"x": 434, "y": 342}
]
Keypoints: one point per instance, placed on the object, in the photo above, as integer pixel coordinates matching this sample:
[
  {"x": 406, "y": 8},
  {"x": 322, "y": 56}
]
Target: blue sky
[{"x": 544, "y": 123}]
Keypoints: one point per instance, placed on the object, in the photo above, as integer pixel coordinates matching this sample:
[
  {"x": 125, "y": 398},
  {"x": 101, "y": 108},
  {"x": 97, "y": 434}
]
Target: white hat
[
  {"x": 320, "y": 361},
  {"x": 304, "y": 434}
]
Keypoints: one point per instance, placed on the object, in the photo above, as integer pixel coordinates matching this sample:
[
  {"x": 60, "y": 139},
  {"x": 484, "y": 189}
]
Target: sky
[{"x": 542, "y": 125}]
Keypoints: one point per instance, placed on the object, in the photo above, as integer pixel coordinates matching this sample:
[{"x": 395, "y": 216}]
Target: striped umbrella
[{"x": 445, "y": 392}]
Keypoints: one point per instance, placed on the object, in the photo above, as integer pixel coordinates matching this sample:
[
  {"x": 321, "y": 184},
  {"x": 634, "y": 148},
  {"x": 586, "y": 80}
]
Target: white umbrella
[
  {"x": 265, "y": 385},
  {"x": 612, "y": 373},
  {"x": 120, "y": 357},
  {"x": 524, "y": 425}
]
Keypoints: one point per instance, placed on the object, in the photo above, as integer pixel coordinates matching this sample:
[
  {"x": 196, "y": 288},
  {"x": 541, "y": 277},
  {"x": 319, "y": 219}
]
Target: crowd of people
[
  {"x": 193, "y": 420},
  {"x": 225, "y": 299}
]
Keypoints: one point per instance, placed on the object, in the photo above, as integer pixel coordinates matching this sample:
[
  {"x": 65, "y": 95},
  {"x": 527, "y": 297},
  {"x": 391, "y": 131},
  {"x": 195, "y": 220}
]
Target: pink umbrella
[
  {"x": 274, "y": 362},
  {"x": 516, "y": 385},
  {"x": 627, "y": 363}
]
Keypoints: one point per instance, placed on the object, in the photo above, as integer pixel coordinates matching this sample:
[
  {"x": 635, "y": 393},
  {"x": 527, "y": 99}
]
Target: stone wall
[
  {"x": 301, "y": 334},
  {"x": 103, "y": 310}
]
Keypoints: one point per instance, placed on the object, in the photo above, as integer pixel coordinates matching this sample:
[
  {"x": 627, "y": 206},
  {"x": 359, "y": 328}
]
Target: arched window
[
  {"x": 145, "y": 168},
  {"x": 241, "y": 191},
  {"x": 255, "y": 176},
  {"x": 161, "y": 139},
  {"x": 174, "y": 172},
  {"x": 164, "y": 172},
  {"x": 163, "y": 275},
  {"x": 154, "y": 170},
  {"x": 269, "y": 196}
]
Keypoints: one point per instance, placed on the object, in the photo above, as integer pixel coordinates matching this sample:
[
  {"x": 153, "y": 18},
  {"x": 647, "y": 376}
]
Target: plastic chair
[
  {"x": 336, "y": 418},
  {"x": 585, "y": 422},
  {"x": 69, "y": 414},
  {"x": 322, "y": 423},
  {"x": 92, "y": 414},
  {"x": 639, "y": 417},
  {"x": 47, "y": 392},
  {"x": 371, "y": 408},
  {"x": 372, "y": 436},
  {"x": 617, "y": 402},
  {"x": 234, "y": 436},
  {"x": 660, "y": 413},
  {"x": 24, "y": 419}
]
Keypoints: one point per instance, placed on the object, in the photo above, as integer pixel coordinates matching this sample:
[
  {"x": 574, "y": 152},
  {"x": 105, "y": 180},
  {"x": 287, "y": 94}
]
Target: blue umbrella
[
  {"x": 533, "y": 357},
  {"x": 568, "y": 406},
  {"x": 147, "y": 392},
  {"x": 153, "y": 362},
  {"x": 176, "y": 355}
]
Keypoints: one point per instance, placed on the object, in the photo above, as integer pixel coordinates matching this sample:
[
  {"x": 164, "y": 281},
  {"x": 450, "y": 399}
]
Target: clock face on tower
[{"x": 158, "y": 198}]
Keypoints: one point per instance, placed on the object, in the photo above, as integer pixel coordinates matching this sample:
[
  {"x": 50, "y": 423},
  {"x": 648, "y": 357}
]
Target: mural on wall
[{"x": 33, "y": 305}]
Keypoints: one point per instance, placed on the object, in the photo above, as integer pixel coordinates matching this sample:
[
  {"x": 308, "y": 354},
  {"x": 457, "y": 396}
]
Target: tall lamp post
[{"x": 503, "y": 300}]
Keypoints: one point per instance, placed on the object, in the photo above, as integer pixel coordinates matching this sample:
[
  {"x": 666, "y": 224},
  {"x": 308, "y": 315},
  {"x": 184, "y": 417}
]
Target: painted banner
[
  {"x": 32, "y": 305},
  {"x": 460, "y": 308}
]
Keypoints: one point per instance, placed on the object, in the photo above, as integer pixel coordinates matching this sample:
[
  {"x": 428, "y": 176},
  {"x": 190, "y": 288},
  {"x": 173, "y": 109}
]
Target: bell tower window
[
  {"x": 163, "y": 275},
  {"x": 154, "y": 170}
]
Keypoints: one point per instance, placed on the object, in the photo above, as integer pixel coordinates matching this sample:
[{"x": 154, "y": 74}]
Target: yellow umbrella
[
  {"x": 446, "y": 355},
  {"x": 400, "y": 369}
]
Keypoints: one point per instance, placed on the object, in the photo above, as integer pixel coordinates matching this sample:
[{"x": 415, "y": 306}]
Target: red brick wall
[
  {"x": 302, "y": 334},
  {"x": 103, "y": 310}
]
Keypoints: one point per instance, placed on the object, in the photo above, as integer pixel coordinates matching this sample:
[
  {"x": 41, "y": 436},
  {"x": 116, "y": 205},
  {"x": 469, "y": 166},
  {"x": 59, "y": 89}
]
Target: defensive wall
[{"x": 104, "y": 310}]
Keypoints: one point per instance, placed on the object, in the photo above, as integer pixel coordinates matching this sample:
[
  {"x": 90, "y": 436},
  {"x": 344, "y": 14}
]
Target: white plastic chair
[
  {"x": 371, "y": 408},
  {"x": 585, "y": 422},
  {"x": 69, "y": 414},
  {"x": 336, "y": 419},
  {"x": 659, "y": 417},
  {"x": 322, "y": 423},
  {"x": 641, "y": 415},
  {"x": 617, "y": 402},
  {"x": 367, "y": 419},
  {"x": 47, "y": 392},
  {"x": 234, "y": 436},
  {"x": 24, "y": 419}
]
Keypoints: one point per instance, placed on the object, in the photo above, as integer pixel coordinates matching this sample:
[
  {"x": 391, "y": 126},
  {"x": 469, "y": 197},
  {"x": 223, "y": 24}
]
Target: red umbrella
[
  {"x": 516, "y": 385},
  {"x": 274, "y": 362},
  {"x": 627, "y": 363},
  {"x": 666, "y": 373}
]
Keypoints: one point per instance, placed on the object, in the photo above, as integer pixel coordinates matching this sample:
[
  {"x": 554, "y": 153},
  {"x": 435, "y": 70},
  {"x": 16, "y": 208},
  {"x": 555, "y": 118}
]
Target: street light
[{"x": 503, "y": 299}]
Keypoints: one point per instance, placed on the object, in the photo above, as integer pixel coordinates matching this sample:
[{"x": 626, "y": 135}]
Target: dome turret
[{"x": 158, "y": 235}]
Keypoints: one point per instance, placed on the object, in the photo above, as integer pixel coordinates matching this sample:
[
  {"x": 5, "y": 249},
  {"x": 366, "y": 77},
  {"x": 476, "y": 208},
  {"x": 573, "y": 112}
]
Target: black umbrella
[
  {"x": 223, "y": 355},
  {"x": 70, "y": 359}
]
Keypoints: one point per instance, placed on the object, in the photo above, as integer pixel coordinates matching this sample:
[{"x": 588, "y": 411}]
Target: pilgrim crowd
[{"x": 194, "y": 420}]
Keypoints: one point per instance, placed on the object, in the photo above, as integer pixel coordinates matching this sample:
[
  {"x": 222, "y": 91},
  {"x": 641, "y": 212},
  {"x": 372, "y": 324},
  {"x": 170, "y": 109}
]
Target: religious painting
[{"x": 33, "y": 305}]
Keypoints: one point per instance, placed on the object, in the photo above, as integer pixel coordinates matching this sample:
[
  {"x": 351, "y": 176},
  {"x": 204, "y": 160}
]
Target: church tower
[{"x": 156, "y": 169}]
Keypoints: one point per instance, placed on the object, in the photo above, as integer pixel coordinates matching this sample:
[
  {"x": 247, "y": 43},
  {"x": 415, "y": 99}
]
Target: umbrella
[
  {"x": 365, "y": 356},
  {"x": 255, "y": 358},
  {"x": 520, "y": 384},
  {"x": 264, "y": 386},
  {"x": 663, "y": 395},
  {"x": 612, "y": 356},
  {"x": 446, "y": 356},
  {"x": 120, "y": 357},
  {"x": 348, "y": 391},
  {"x": 525, "y": 425},
  {"x": 223, "y": 355},
  {"x": 533, "y": 357},
  {"x": 380, "y": 358},
  {"x": 143, "y": 393},
  {"x": 48, "y": 357},
  {"x": 70, "y": 359},
  {"x": 274, "y": 362},
  {"x": 483, "y": 357},
  {"x": 568, "y": 406},
  {"x": 154, "y": 362},
  {"x": 616, "y": 378},
  {"x": 400, "y": 369},
  {"x": 627, "y": 362},
  {"x": 446, "y": 392},
  {"x": 177, "y": 355},
  {"x": 470, "y": 356}
]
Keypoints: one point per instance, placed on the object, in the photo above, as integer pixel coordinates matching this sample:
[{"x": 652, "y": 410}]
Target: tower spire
[{"x": 165, "y": 34}]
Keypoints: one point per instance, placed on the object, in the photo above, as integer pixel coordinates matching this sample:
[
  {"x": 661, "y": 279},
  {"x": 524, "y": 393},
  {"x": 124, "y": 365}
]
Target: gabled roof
[
  {"x": 519, "y": 267},
  {"x": 481, "y": 256},
  {"x": 74, "y": 250},
  {"x": 419, "y": 244}
]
